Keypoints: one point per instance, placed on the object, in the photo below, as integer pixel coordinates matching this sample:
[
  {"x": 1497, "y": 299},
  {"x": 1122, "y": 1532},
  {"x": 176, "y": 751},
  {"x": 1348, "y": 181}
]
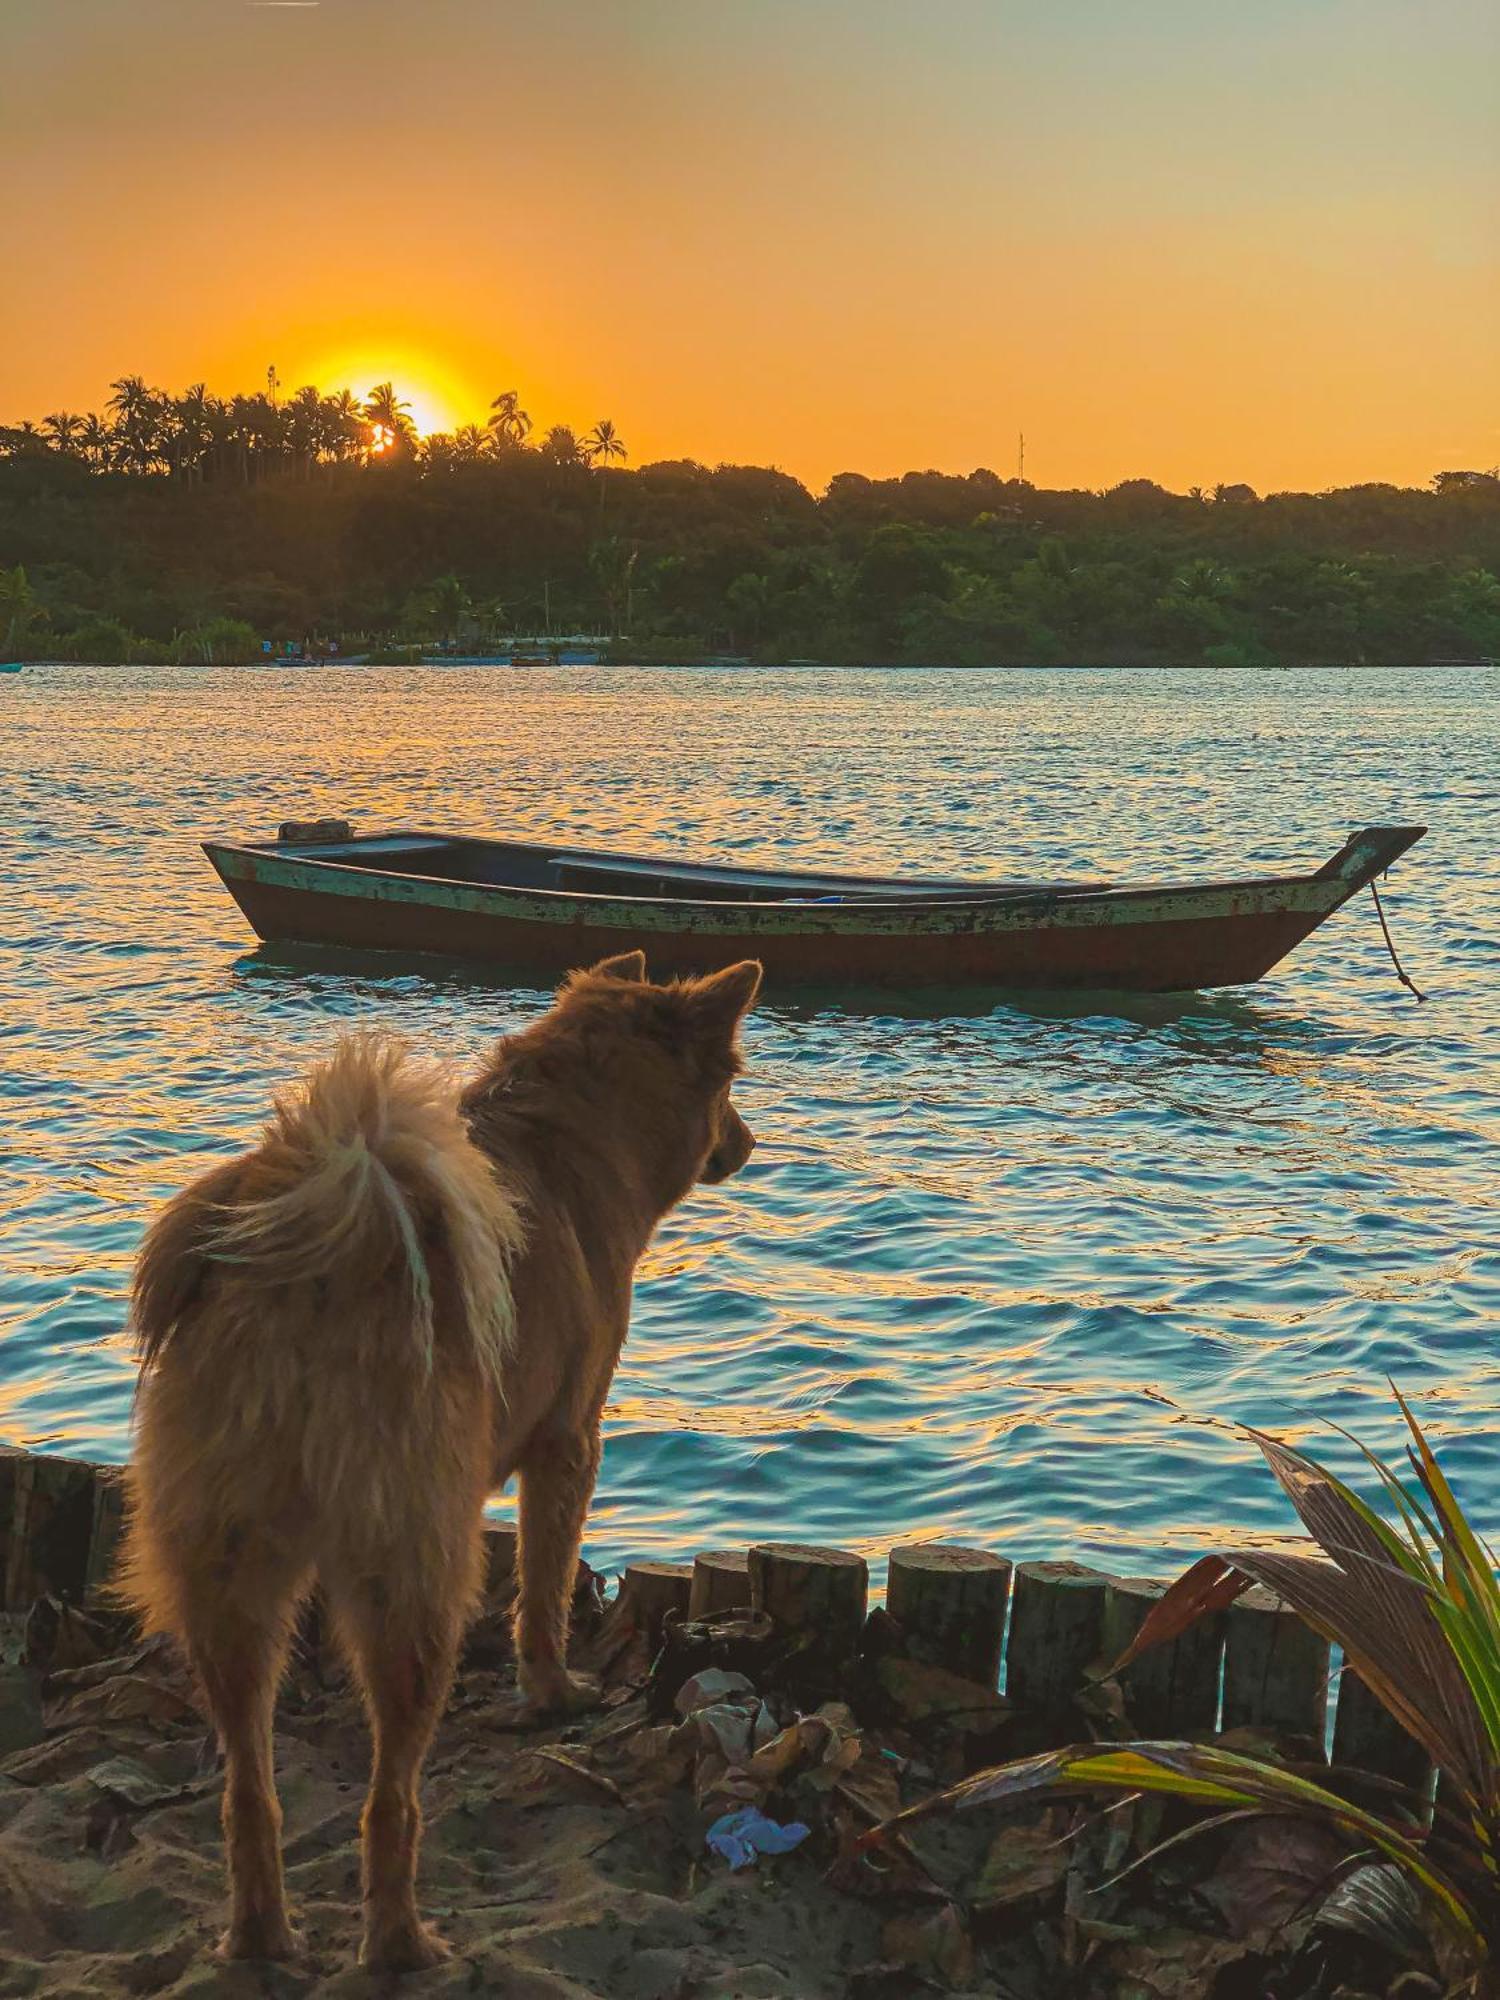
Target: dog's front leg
[{"x": 558, "y": 1471}]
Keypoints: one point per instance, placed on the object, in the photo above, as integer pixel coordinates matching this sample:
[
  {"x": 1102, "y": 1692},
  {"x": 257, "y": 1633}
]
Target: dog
[{"x": 354, "y": 1333}]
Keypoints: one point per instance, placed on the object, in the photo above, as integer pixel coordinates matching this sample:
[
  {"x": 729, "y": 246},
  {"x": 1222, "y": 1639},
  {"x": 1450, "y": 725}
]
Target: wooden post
[
  {"x": 1056, "y": 1635},
  {"x": 651, "y": 1589},
  {"x": 15, "y": 1487},
  {"x": 47, "y": 1518},
  {"x": 950, "y": 1604},
  {"x": 1275, "y": 1670},
  {"x": 721, "y": 1582},
  {"x": 108, "y": 1527},
  {"x": 500, "y": 1541},
  {"x": 1367, "y": 1737},
  {"x": 1172, "y": 1690},
  {"x": 813, "y": 1594}
]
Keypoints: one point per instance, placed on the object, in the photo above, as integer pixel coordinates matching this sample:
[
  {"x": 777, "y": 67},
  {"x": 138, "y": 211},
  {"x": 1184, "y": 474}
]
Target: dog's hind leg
[
  {"x": 236, "y": 1637},
  {"x": 404, "y": 1658},
  {"x": 557, "y": 1482}
]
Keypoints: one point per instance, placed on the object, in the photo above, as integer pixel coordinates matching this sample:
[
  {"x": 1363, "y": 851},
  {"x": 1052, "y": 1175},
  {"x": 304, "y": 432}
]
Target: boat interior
[{"x": 516, "y": 865}]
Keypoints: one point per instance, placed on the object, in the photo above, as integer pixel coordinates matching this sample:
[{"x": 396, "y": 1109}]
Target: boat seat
[
  {"x": 709, "y": 885},
  {"x": 358, "y": 850}
]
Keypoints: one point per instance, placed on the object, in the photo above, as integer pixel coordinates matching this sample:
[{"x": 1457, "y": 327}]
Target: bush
[
  {"x": 221, "y": 642},
  {"x": 1237, "y": 653},
  {"x": 103, "y": 642},
  {"x": 395, "y": 656}
]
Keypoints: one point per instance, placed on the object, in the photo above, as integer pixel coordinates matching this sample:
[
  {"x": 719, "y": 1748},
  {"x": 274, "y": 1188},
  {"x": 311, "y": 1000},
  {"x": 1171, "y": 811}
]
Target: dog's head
[
  {"x": 647, "y": 1068},
  {"x": 695, "y": 1023}
]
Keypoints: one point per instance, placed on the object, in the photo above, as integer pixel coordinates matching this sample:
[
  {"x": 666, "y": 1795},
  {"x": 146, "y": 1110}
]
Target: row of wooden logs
[{"x": 1048, "y": 1625}]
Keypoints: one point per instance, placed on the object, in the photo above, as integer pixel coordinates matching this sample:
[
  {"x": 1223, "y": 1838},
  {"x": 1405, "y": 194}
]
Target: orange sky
[{"x": 1187, "y": 239}]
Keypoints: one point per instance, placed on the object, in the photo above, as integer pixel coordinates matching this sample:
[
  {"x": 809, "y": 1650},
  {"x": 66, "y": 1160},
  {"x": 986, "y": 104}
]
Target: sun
[{"x": 438, "y": 398}]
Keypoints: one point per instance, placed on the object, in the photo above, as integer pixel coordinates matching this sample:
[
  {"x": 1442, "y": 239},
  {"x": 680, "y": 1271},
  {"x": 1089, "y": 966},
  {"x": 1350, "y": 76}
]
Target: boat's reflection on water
[{"x": 1238, "y": 1017}]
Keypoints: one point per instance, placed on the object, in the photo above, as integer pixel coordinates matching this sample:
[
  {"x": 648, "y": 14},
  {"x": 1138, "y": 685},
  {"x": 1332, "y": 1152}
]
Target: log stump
[
  {"x": 46, "y": 1527},
  {"x": 649, "y": 1590},
  {"x": 500, "y": 1545},
  {"x": 108, "y": 1528},
  {"x": 1056, "y": 1639},
  {"x": 1367, "y": 1737},
  {"x": 721, "y": 1582},
  {"x": 1172, "y": 1690},
  {"x": 950, "y": 1603},
  {"x": 813, "y": 1595},
  {"x": 1275, "y": 1669}
]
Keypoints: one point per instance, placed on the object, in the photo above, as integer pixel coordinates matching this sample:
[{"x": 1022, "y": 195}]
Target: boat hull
[{"x": 1169, "y": 939}]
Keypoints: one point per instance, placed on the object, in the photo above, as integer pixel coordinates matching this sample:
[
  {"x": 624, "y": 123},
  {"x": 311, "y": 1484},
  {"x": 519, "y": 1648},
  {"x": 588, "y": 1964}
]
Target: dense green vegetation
[{"x": 189, "y": 527}]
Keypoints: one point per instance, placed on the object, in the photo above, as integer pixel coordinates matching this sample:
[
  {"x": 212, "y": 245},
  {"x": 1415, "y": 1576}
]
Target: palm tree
[
  {"x": 614, "y": 572},
  {"x": 345, "y": 431},
  {"x": 137, "y": 412},
  {"x": 303, "y": 418},
  {"x": 508, "y": 423},
  {"x": 96, "y": 440},
  {"x": 22, "y": 438},
  {"x": 603, "y": 443},
  {"x": 254, "y": 429},
  {"x": 189, "y": 430},
  {"x": 63, "y": 429},
  {"x": 390, "y": 419},
  {"x": 469, "y": 443},
  {"x": 561, "y": 446},
  {"x": 18, "y": 607}
]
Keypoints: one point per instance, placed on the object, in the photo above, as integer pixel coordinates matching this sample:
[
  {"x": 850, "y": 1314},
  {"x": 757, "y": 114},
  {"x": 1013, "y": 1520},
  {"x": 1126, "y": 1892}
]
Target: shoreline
[
  {"x": 574, "y": 1861},
  {"x": 645, "y": 664}
]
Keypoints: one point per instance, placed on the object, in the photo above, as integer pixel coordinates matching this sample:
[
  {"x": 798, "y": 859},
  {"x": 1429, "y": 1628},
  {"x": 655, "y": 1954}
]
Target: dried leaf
[
  {"x": 892, "y": 1869},
  {"x": 124, "y": 1698},
  {"x": 934, "y": 1943},
  {"x": 872, "y": 1787},
  {"x": 1024, "y": 1863},
  {"x": 922, "y": 1693},
  {"x": 1172, "y": 1964},
  {"x": 1210, "y": 1586},
  {"x": 1271, "y": 1873},
  {"x": 569, "y": 1762}
]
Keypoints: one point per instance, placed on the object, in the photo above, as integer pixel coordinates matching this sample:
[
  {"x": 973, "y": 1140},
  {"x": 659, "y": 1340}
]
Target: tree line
[{"x": 192, "y": 527}]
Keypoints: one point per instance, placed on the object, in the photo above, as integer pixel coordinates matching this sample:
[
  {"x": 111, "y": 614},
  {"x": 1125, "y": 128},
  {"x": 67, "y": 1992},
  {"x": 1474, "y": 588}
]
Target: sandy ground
[
  {"x": 542, "y": 1879},
  {"x": 570, "y": 1862}
]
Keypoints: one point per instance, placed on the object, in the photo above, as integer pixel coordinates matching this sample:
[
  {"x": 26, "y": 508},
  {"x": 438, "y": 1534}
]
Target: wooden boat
[
  {"x": 544, "y": 907},
  {"x": 11, "y": 666}
]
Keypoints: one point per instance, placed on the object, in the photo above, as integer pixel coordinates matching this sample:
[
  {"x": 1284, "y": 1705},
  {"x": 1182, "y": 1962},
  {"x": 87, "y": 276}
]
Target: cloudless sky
[{"x": 1191, "y": 240}]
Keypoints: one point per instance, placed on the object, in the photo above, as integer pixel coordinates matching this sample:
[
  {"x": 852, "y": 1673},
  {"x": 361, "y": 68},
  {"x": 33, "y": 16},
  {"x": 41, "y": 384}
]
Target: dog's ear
[
  {"x": 719, "y": 1001},
  {"x": 630, "y": 966}
]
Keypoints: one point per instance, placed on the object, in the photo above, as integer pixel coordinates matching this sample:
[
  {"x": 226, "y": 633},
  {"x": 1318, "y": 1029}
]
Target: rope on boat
[{"x": 1401, "y": 973}]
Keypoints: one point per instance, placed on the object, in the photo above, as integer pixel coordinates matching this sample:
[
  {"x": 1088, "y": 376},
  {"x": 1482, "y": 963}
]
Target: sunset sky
[{"x": 1194, "y": 240}]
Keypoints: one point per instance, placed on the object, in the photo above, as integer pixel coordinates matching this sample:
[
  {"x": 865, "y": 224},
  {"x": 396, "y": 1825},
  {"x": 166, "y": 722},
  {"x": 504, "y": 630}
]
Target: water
[{"x": 1007, "y": 1273}]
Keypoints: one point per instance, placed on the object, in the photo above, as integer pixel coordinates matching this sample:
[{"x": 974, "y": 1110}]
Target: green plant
[
  {"x": 100, "y": 642},
  {"x": 217, "y": 642},
  {"x": 394, "y": 656},
  {"x": 1414, "y": 1603}
]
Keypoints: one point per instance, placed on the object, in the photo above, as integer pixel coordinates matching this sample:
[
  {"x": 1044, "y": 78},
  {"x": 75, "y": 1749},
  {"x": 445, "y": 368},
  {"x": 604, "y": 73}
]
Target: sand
[{"x": 563, "y": 1862}]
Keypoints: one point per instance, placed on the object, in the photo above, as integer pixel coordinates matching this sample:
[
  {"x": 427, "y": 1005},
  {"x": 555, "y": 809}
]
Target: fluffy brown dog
[{"x": 357, "y": 1331}]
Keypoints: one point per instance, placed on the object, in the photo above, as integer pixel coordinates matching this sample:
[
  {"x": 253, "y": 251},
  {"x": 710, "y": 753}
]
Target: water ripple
[{"x": 1009, "y": 1273}]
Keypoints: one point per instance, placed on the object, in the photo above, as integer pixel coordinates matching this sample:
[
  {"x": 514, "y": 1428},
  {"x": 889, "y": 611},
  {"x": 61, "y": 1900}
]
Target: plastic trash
[
  {"x": 742, "y": 1836},
  {"x": 710, "y": 1688}
]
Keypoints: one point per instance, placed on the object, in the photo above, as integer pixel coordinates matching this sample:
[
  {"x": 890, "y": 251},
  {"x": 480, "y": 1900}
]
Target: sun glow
[{"x": 438, "y": 398}]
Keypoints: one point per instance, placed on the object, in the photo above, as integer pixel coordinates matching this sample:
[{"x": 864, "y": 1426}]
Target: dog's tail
[{"x": 365, "y": 1184}]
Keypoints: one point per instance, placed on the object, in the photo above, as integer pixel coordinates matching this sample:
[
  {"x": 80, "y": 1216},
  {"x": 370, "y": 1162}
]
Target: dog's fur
[{"x": 357, "y": 1331}]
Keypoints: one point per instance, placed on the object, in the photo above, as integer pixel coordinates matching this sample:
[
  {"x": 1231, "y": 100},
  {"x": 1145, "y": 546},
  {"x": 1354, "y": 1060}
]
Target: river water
[{"x": 1008, "y": 1273}]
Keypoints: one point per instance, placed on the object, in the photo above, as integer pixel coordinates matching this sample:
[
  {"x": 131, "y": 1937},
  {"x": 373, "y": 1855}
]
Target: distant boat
[
  {"x": 11, "y": 666},
  {"x": 549, "y": 907}
]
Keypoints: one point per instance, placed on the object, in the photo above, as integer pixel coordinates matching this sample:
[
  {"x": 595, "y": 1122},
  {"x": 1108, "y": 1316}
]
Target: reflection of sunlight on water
[{"x": 1006, "y": 1268}]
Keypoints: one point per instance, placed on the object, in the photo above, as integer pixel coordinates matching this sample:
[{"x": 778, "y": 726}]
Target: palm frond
[{"x": 1209, "y": 1776}]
